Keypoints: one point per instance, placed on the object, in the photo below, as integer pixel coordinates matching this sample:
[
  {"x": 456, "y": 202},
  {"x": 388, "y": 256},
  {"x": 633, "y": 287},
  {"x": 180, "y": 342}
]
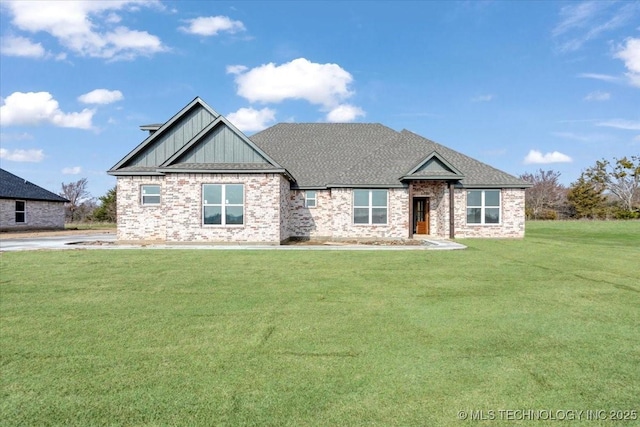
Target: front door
[{"x": 420, "y": 215}]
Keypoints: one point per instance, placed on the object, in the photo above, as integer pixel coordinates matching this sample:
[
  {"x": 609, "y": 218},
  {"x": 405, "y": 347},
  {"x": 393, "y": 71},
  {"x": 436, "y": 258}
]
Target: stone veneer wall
[
  {"x": 38, "y": 215},
  {"x": 512, "y": 216},
  {"x": 179, "y": 216}
]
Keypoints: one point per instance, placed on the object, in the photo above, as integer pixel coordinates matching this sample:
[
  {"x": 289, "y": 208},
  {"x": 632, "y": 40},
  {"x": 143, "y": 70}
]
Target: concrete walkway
[{"x": 108, "y": 241}]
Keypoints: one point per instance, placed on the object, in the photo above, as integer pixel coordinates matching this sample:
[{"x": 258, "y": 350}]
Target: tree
[
  {"x": 622, "y": 179},
  {"x": 586, "y": 199},
  {"x": 77, "y": 194},
  {"x": 107, "y": 210},
  {"x": 545, "y": 196}
]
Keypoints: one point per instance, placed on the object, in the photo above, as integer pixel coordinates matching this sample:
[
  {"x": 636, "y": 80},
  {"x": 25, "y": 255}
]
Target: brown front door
[{"x": 420, "y": 215}]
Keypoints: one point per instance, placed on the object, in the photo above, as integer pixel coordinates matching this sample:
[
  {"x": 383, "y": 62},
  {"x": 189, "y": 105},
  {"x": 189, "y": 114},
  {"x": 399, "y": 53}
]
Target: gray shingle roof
[
  {"x": 359, "y": 154},
  {"x": 14, "y": 187}
]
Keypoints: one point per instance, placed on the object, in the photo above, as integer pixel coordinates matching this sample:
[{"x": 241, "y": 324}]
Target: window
[
  {"x": 223, "y": 204},
  {"x": 369, "y": 206},
  {"x": 20, "y": 211},
  {"x": 310, "y": 200},
  {"x": 483, "y": 207},
  {"x": 150, "y": 194}
]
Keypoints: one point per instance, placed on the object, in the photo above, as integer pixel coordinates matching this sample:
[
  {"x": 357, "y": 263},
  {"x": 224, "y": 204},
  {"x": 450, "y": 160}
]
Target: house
[
  {"x": 25, "y": 206},
  {"x": 196, "y": 178}
]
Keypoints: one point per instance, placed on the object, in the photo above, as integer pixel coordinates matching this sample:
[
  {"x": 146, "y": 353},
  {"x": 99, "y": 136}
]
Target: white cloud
[
  {"x": 536, "y": 157},
  {"x": 236, "y": 69},
  {"x": 603, "y": 77},
  {"x": 320, "y": 84},
  {"x": 24, "y": 136},
  {"x": 32, "y": 155},
  {"x": 483, "y": 98},
  {"x": 101, "y": 96},
  {"x": 34, "y": 108},
  {"x": 75, "y": 170},
  {"x": 630, "y": 54},
  {"x": 250, "y": 120},
  {"x": 21, "y": 46},
  {"x": 87, "y": 27},
  {"x": 620, "y": 124},
  {"x": 212, "y": 25},
  {"x": 344, "y": 113},
  {"x": 588, "y": 20},
  {"x": 598, "y": 96}
]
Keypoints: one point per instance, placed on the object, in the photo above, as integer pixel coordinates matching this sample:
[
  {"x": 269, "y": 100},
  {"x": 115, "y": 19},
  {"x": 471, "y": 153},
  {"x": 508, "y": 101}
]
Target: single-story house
[
  {"x": 26, "y": 206},
  {"x": 197, "y": 178}
]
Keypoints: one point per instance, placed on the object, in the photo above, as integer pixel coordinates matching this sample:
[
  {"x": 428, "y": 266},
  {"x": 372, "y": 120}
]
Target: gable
[
  {"x": 173, "y": 138},
  {"x": 434, "y": 166},
  {"x": 221, "y": 145}
]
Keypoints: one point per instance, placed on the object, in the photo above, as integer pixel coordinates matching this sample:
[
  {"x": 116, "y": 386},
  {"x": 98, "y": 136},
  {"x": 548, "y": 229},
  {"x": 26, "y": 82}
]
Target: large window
[
  {"x": 20, "y": 211},
  {"x": 150, "y": 194},
  {"x": 483, "y": 207},
  {"x": 223, "y": 204},
  {"x": 370, "y": 206},
  {"x": 310, "y": 199}
]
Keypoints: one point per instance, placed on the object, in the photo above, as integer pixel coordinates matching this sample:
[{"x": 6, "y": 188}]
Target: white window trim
[
  {"x": 223, "y": 206},
  {"x": 307, "y": 199},
  {"x": 369, "y": 206},
  {"x": 142, "y": 203},
  {"x": 483, "y": 207},
  {"x": 23, "y": 212}
]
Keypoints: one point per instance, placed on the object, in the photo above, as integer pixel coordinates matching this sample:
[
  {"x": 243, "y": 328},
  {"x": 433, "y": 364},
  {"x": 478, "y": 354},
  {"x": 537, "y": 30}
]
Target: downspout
[{"x": 452, "y": 231}]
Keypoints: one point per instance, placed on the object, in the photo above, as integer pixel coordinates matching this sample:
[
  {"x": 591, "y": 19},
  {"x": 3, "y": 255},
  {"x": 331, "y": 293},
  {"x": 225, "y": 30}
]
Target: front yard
[{"x": 188, "y": 337}]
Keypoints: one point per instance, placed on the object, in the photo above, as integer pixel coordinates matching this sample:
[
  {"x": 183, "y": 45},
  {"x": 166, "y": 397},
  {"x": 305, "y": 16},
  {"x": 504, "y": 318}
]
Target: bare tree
[
  {"x": 622, "y": 179},
  {"x": 546, "y": 194},
  {"x": 77, "y": 194}
]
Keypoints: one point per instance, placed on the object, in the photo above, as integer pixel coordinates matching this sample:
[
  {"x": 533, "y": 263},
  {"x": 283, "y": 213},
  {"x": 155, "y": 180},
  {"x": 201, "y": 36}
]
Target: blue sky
[{"x": 518, "y": 85}]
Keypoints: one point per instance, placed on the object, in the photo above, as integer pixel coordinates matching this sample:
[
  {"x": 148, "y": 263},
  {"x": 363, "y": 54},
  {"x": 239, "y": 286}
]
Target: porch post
[
  {"x": 452, "y": 231},
  {"x": 410, "y": 209}
]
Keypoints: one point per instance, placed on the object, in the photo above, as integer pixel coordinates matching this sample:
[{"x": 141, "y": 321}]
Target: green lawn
[{"x": 312, "y": 338}]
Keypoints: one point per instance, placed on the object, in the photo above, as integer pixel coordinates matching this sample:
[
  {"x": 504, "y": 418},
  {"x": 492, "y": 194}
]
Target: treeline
[
  {"x": 607, "y": 190},
  {"x": 82, "y": 207}
]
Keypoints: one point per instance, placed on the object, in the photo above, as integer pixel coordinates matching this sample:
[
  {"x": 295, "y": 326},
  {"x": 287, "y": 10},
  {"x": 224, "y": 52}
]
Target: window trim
[
  {"x": 23, "y": 212},
  {"x": 369, "y": 207},
  {"x": 223, "y": 206},
  {"x": 483, "y": 208},
  {"x": 142, "y": 195},
  {"x": 307, "y": 199}
]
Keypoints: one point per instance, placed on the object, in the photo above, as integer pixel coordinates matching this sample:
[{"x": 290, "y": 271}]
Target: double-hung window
[
  {"x": 20, "y": 211},
  {"x": 310, "y": 199},
  {"x": 150, "y": 195},
  {"x": 483, "y": 207},
  {"x": 223, "y": 204},
  {"x": 370, "y": 207}
]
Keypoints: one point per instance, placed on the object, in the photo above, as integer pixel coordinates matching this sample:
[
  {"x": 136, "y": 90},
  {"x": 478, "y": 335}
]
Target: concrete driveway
[
  {"x": 106, "y": 240},
  {"x": 35, "y": 241}
]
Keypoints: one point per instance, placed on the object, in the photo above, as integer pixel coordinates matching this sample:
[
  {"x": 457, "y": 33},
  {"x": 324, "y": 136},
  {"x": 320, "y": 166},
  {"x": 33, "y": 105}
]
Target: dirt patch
[
  {"x": 403, "y": 242},
  {"x": 6, "y": 235}
]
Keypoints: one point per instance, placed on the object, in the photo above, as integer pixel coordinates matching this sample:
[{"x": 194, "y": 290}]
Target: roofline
[
  {"x": 197, "y": 100},
  {"x": 366, "y": 186},
  {"x": 432, "y": 178},
  {"x": 440, "y": 157},
  {"x": 525, "y": 185},
  {"x": 35, "y": 199},
  {"x": 133, "y": 173}
]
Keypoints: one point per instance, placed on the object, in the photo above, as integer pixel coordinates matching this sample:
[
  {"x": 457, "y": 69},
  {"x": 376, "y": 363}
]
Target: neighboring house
[
  {"x": 196, "y": 178},
  {"x": 24, "y": 205}
]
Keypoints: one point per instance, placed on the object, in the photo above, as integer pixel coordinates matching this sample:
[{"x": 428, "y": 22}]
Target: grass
[
  {"x": 308, "y": 338},
  {"x": 90, "y": 226}
]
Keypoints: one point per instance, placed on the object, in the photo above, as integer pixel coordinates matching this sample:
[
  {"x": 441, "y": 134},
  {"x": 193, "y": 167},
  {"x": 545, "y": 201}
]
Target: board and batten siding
[
  {"x": 222, "y": 145},
  {"x": 174, "y": 138}
]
